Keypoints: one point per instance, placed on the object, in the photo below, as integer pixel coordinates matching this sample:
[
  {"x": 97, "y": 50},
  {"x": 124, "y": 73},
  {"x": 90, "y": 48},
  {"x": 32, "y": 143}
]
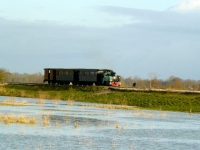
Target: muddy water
[{"x": 73, "y": 125}]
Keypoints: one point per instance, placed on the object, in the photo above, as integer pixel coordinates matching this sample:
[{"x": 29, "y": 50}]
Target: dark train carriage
[
  {"x": 49, "y": 75},
  {"x": 75, "y": 76},
  {"x": 59, "y": 75},
  {"x": 81, "y": 76},
  {"x": 64, "y": 76},
  {"x": 88, "y": 76}
]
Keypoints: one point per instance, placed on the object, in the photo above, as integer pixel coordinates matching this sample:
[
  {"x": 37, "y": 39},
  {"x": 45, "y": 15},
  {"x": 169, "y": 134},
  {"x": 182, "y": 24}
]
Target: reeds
[
  {"x": 70, "y": 102},
  {"x": 190, "y": 111},
  {"x": 26, "y": 120},
  {"x": 75, "y": 125},
  {"x": 43, "y": 95},
  {"x": 45, "y": 121},
  {"x": 117, "y": 125},
  {"x": 122, "y": 107},
  {"x": 56, "y": 101},
  {"x": 1, "y": 117},
  {"x": 56, "y": 124},
  {"x": 2, "y": 89},
  {"x": 13, "y": 102},
  {"x": 144, "y": 114},
  {"x": 40, "y": 101},
  {"x": 57, "y": 97},
  {"x": 10, "y": 118},
  {"x": 113, "y": 144},
  {"x": 163, "y": 115}
]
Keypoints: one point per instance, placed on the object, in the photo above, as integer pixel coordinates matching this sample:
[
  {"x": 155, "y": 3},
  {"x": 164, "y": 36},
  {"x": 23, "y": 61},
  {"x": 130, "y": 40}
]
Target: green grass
[{"x": 100, "y": 94}]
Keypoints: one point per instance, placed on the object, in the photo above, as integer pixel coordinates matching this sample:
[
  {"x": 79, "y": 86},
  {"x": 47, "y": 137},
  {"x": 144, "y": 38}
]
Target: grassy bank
[{"x": 99, "y": 94}]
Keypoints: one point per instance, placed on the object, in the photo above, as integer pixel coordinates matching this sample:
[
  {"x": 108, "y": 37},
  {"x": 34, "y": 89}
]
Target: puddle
[{"x": 86, "y": 126}]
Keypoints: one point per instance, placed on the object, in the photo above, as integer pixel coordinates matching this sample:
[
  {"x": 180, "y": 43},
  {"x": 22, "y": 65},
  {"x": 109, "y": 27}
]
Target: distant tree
[
  {"x": 153, "y": 80},
  {"x": 128, "y": 82},
  {"x": 198, "y": 86},
  {"x": 140, "y": 83},
  {"x": 175, "y": 83},
  {"x": 191, "y": 84},
  {"x": 3, "y": 73},
  {"x": 123, "y": 84},
  {"x": 24, "y": 78}
]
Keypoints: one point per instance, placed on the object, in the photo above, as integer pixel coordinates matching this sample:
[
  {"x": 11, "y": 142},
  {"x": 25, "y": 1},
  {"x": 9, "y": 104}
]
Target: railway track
[
  {"x": 31, "y": 84},
  {"x": 155, "y": 90}
]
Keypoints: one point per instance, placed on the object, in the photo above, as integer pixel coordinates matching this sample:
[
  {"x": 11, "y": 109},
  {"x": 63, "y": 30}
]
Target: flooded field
[{"x": 60, "y": 125}]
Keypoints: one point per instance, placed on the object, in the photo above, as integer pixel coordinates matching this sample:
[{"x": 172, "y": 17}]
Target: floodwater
[{"x": 85, "y": 126}]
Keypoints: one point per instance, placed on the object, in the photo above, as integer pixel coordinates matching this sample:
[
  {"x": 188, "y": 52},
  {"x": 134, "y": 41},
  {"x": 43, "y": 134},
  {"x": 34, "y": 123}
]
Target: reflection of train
[{"x": 81, "y": 76}]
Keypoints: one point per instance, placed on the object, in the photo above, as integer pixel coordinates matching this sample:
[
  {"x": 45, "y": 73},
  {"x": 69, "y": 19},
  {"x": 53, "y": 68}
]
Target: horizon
[{"x": 150, "y": 76}]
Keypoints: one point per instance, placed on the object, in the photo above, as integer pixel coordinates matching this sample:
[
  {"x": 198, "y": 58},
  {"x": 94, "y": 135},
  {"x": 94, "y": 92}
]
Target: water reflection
[{"x": 87, "y": 126}]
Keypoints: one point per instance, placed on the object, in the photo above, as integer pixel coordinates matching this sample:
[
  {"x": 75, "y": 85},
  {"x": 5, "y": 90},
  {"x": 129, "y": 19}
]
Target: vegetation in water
[{"x": 22, "y": 119}]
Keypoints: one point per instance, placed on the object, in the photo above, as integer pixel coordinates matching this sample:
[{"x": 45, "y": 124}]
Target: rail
[
  {"x": 19, "y": 83},
  {"x": 155, "y": 90}
]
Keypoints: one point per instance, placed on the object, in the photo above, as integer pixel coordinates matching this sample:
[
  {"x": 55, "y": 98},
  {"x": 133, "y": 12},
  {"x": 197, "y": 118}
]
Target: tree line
[
  {"x": 172, "y": 82},
  {"x": 7, "y": 77},
  {"x": 152, "y": 83}
]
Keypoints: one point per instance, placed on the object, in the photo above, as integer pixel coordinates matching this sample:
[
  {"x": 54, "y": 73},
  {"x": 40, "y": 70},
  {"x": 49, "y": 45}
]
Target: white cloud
[{"x": 190, "y": 5}]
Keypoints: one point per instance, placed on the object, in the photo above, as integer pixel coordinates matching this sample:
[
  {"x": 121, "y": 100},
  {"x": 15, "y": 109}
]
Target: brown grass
[
  {"x": 40, "y": 101},
  {"x": 70, "y": 102},
  {"x": 2, "y": 89},
  {"x": 163, "y": 115},
  {"x": 1, "y": 117},
  {"x": 45, "y": 121},
  {"x": 10, "y": 118},
  {"x": 117, "y": 125},
  {"x": 57, "y": 97},
  {"x": 26, "y": 120},
  {"x": 23, "y": 93},
  {"x": 75, "y": 125},
  {"x": 13, "y": 102},
  {"x": 123, "y": 107},
  {"x": 43, "y": 95},
  {"x": 56, "y": 124},
  {"x": 144, "y": 114},
  {"x": 56, "y": 101}
]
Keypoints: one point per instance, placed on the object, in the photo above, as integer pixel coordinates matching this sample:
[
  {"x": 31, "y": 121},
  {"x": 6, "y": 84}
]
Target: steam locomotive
[{"x": 81, "y": 76}]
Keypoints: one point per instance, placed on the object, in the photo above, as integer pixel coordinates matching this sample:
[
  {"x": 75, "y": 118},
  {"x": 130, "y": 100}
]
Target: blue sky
[{"x": 132, "y": 37}]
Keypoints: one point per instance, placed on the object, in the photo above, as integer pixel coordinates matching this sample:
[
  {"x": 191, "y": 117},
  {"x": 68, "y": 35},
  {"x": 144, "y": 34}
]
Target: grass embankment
[{"x": 99, "y": 94}]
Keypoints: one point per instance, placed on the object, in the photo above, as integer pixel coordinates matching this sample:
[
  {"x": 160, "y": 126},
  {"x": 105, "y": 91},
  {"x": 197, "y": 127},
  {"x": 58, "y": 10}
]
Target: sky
[{"x": 135, "y": 38}]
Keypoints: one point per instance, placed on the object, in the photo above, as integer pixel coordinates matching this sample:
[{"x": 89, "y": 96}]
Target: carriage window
[
  {"x": 60, "y": 72},
  {"x": 92, "y": 73},
  {"x": 65, "y": 73},
  {"x": 82, "y": 73},
  {"x": 87, "y": 73},
  {"x": 70, "y": 72}
]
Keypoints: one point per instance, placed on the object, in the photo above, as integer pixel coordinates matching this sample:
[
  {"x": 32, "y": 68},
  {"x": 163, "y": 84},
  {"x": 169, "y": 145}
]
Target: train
[{"x": 82, "y": 76}]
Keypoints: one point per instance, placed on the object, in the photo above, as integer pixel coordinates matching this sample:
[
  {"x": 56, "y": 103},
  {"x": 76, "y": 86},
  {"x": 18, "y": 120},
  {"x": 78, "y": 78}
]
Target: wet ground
[{"x": 64, "y": 125}]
